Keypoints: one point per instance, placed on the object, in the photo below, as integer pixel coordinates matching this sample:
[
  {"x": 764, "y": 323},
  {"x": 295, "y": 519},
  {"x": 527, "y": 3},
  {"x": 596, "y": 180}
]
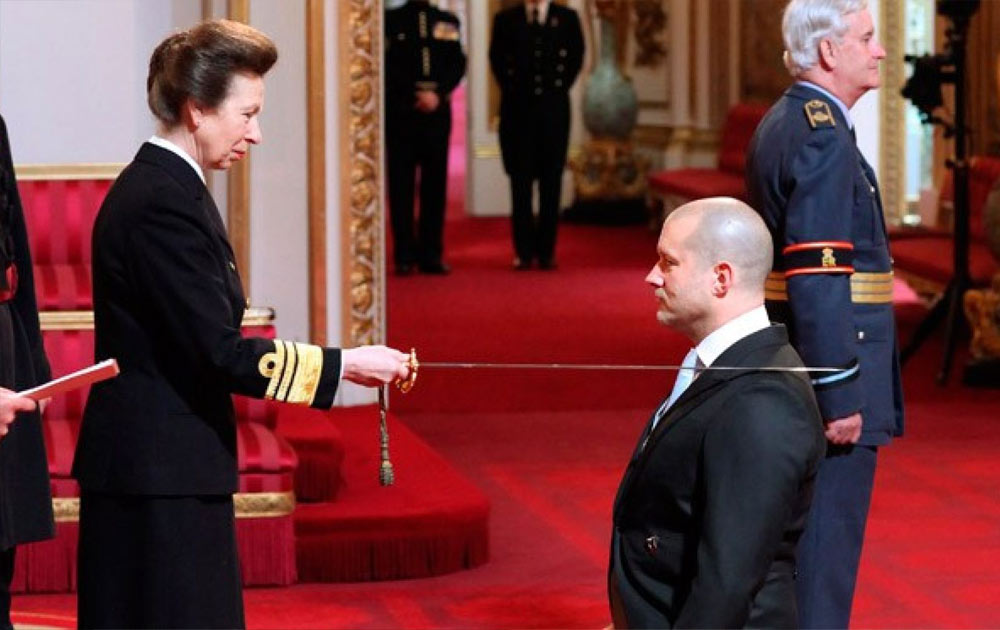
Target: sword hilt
[{"x": 405, "y": 385}]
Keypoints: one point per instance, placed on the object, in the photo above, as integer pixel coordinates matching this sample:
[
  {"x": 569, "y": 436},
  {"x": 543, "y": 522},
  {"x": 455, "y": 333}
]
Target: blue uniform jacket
[{"x": 831, "y": 283}]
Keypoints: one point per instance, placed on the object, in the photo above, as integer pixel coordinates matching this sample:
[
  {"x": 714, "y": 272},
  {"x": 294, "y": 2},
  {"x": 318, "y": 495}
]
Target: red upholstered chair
[
  {"x": 924, "y": 257},
  {"x": 673, "y": 187},
  {"x": 60, "y": 216},
  {"x": 267, "y": 462}
]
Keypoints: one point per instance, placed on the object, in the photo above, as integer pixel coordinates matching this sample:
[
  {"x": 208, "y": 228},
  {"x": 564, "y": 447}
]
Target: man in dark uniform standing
[
  {"x": 536, "y": 51},
  {"x": 25, "y": 499},
  {"x": 424, "y": 62},
  {"x": 832, "y": 280}
]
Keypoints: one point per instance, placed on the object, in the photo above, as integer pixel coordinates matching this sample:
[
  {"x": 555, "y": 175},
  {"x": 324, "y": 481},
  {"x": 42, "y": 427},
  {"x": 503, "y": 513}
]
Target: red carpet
[
  {"x": 547, "y": 450},
  {"x": 548, "y": 455},
  {"x": 430, "y": 521}
]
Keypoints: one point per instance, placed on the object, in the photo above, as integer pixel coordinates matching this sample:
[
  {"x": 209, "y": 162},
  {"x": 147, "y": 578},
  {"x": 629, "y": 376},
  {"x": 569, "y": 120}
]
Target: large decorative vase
[
  {"x": 606, "y": 170},
  {"x": 610, "y": 106}
]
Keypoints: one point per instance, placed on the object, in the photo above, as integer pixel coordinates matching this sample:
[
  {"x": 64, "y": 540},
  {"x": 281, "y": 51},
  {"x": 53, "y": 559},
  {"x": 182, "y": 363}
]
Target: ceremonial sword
[{"x": 386, "y": 474}]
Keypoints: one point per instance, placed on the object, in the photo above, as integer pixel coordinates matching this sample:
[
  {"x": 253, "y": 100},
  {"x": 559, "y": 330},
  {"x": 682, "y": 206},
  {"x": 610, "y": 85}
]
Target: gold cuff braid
[{"x": 294, "y": 370}]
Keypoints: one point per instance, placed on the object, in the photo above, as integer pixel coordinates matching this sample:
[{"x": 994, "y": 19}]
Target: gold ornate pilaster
[
  {"x": 316, "y": 168},
  {"x": 245, "y": 505},
  {"x": 892, "y": 118},
  {"x": 360, "y": 57},
  {"x": 238, "y": 186}
]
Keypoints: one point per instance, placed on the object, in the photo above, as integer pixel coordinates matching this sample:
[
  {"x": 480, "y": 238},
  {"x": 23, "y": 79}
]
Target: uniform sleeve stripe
[
  {"x": 838, "y": 378},
  {"x": 291, "y": 367},
  {"x": 798, "y": 247},
  {"x": 307, "y": 377},
  {"x": 271, "y": 366},
  {"x": 814, "y": 270}
]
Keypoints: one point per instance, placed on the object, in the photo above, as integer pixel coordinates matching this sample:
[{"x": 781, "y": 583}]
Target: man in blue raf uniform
[
  {"x": 536, "y": 51},
  {"x": 424, "y": 62},
  {"x": 832, "y": 280}
]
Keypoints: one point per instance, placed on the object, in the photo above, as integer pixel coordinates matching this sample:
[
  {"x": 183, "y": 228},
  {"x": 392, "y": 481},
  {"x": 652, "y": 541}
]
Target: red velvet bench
[
  {"x": 267, "y": 462},
  {"x": 60, "y": 213},
  {"x": 924, "y": 256},
  {"x": 671, "y": 188}
]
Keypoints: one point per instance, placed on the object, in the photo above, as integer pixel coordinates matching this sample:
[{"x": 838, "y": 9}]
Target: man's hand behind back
[{"x": 846, "y": 430}]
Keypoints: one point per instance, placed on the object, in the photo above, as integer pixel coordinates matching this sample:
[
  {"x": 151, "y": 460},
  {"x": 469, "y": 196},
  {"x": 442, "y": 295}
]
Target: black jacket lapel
[{"x": 737, "y": 355}]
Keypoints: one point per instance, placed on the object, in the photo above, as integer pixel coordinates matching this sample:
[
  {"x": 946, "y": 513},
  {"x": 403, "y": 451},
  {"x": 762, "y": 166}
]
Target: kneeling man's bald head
[
  {"x": 728, "y": 230},
  {"x": 713, "y": 258}
]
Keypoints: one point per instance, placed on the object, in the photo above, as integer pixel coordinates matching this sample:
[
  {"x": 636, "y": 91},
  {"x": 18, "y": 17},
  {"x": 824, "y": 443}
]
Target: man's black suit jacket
[
  {"x": 714, "y": 499},
  {"x": 168, "y": 304}
]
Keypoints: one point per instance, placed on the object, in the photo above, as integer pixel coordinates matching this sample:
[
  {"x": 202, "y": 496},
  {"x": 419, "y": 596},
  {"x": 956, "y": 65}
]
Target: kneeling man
[{"x": 716, "y": 494}]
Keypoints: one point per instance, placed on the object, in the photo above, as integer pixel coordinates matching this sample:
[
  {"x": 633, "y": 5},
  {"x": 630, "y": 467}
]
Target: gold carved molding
[
  {"x": 238, "y": 182},
  {"x": 84, "y": 320},
  {"x": 360, "y": 57},
  {"x": 316, "y": 168},
  {"x": 892, "y": 114},
  {"x": 35, "y": 172},
  {"x": 245, "y": 504}
]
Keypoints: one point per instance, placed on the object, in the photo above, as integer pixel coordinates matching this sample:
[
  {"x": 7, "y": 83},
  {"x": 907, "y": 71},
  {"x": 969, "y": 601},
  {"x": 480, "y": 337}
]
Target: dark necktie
[{"x": 535, "y": 17}]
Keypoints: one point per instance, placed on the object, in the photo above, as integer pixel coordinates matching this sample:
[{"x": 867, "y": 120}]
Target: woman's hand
[
  {"x": 374, "y": 365},
  {"x": 10, "y": 405}
]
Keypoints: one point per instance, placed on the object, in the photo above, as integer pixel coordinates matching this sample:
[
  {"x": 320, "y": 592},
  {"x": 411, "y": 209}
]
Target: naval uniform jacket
[
  {"x": 534, "y": 87},
  {"x": 168, "y": 305},
  {"x": 831, "y": 283},
  {"x": 714, "y": 499},
  {"x": 25, "y": 499},
  {"x": 423, "y": 51}
]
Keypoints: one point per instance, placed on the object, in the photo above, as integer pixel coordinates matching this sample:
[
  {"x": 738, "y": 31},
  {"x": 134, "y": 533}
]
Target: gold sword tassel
[{"x": 386, "y": 474}]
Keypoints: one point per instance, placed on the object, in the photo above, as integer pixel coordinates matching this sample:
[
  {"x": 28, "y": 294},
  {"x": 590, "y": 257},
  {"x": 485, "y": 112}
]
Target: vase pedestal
[
  {"x": 609, "y": 183},
  {"x": 982, "y": 309}
]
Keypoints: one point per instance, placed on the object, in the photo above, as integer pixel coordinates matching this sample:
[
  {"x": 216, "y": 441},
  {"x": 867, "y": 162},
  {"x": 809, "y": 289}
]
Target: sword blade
[{"x": 464, "y": 365}]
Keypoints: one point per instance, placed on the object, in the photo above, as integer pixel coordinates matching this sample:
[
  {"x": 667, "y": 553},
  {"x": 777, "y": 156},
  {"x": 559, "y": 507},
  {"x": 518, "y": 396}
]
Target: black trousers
[
  {"x": 158, "y": 562},
  {"x": 534, "y": 137},
  {"x": 6, "y": 576},
  {"x": 535, "y": 236},
  {"x": 418, "y": 142}
]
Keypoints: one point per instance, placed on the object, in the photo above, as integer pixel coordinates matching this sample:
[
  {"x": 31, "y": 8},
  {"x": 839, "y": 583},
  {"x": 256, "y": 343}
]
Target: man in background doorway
[
  {"x": 536, "y": 51},
  {"x": 424, "y": 62}
]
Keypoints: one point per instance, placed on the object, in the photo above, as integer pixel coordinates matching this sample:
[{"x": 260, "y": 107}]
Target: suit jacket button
[
  {"x": 861, "y": 335},
  {"x": 652, "y": 544}
]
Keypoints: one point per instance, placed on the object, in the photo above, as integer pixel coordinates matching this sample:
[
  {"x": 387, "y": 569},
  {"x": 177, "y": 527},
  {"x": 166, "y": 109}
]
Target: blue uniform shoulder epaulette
[{"x": 819, "y": 114}]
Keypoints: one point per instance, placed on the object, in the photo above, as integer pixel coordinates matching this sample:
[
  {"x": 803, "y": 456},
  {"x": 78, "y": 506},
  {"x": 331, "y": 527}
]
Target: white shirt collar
[
  {"x": 173, "y": 148},
  {"x": 543, "y": 11},
  {"x": 729, "y": 333},
  {"x": 828, "y": 94}
]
